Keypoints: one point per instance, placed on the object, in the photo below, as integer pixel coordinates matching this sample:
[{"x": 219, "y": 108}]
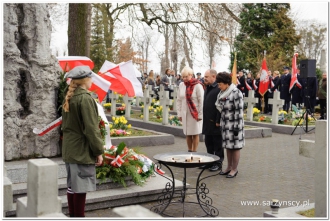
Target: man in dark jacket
[
  {"x": 284, "y": 85},
  {"x": 241, "y": 85},
  {"x": 211, "y": 119}
]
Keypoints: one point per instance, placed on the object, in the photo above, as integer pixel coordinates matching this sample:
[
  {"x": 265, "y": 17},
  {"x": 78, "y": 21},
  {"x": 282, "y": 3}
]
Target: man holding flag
[{"x": 295, "y": 84}]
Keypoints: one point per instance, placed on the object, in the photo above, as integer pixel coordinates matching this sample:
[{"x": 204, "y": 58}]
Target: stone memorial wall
[{"x": 31, "y": 77}]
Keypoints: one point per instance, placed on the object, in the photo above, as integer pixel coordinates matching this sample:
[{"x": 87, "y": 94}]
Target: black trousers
[
  {"x": 213, "y": 145},
  {"x": 323, "y": 105},
  {"x": 286, "y": 106}
]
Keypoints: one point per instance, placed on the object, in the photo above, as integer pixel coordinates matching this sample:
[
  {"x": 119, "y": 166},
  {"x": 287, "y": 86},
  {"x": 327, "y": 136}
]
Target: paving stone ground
[{"x": 269, "y": 168}]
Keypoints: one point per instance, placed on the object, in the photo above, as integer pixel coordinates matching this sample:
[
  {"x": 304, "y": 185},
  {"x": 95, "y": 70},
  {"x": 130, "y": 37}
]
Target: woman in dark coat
[{"x": 230, "y": 104}]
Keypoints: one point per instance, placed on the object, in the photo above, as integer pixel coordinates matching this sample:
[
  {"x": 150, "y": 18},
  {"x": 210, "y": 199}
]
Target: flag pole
[{"x": 263, "y": 99}]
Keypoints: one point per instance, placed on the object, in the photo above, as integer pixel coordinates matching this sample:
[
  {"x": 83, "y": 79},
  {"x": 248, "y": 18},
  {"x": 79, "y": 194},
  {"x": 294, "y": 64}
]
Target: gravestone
[
  {"x": 42, "y": 191},
  {"x": 127, "y": 101},
  {"x": 7, "y": 192},
  {"x": 151, "y": 92},
  {"x": 164, "y": 101},
  {"x": 277, "y": 103},
  {"x": 320, "y": 174},
  {"x": 251, "y": 101},
  {"x": 137, "y": 101},
  {"x": 146, "y": 101},
  {"x": 174, "y": 94},
  {"x": 113, "y": 97}
]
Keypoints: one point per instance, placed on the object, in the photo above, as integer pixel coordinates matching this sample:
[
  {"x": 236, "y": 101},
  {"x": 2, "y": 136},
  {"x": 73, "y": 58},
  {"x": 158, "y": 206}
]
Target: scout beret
[{"x": 79, "y": 72}]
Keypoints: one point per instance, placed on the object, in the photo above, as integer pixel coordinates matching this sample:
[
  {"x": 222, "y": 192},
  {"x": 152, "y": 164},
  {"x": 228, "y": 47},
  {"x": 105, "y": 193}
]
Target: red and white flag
[
  {"x": 69, "y": 62},
  {"x": 264, "y": 78},
  {"x": 294, "y": 78},
  {"x": 125, "y": 73},
  {"x": 100, "y": 86}
]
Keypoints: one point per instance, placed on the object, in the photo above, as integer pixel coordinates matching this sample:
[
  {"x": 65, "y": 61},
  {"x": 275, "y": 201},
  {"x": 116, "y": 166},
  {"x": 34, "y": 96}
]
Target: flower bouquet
[
  {"x": 255, "y": 112},
  {"x": 158, "y": 111},
  {"x": 119, "y": 127},
  {"x": 120, "y": 110},
  {"x": 121, "y": 162},
  {"x": 107, "y": 106},
  {"x": 174, "y": 121},
  {"x": 102, "y": 128}
]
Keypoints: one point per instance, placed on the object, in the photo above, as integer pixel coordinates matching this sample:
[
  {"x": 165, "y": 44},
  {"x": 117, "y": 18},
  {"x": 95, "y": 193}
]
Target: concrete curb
[
  {"x": 280, "y": 128},
  {"x": 290, "y": 212}
]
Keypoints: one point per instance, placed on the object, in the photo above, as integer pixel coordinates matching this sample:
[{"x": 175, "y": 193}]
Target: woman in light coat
[
  {"x": 190, "y": 107},
  {"x": 230, "y": 104}
]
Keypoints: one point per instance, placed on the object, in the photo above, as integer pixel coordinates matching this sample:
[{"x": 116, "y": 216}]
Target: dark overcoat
[
  {"x": 296, "y": 92},
  {"x": 211, "y": 115},
  {"x": 284, "y": 84}
]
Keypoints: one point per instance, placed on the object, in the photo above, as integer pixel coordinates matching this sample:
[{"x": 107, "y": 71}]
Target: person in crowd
[
  {"x": 178, "y": 79},
  {"x": 150, "y": 79},
  {"x": 256, "y": 83},
  {"x": 249, "y": 81},
  {"x": 199, "y": 77},
  {"x": 241, "y": 82},
  {"x": 268, "y": 94},
  {"x": 296, "y": 92},
  {"x": 157, "y": 80},
  {"x": 82, "y": 146},
  {"x": 145, "y": 76},
  {"x": 166, "y": 81},
  {"x": 211, "y": 119},
  {"x": 322, "y": 95},
  {"x": 284, "y": 84},
  {"x": 230, "y": 104},
  {"x": 272, "y": 81},
  {"x": 190, "y": 108},
  {"x": 309, "y": 92}
]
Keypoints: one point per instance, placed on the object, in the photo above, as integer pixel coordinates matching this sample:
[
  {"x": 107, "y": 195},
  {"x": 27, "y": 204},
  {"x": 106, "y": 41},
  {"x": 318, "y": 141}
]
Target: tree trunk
[
  {"x": 186, "y": 49},
  {"x": 78, "y": 29},
  {"x": 174, "y": 54}
]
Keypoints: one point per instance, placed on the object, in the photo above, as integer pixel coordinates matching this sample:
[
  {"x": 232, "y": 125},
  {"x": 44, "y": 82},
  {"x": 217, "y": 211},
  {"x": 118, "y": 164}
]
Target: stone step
[{"x": 108, "y": 198}]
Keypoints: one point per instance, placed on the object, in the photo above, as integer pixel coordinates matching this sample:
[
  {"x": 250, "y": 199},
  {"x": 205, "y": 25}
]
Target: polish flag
[
  {"x": 264, "y": 78},
  {"x": 69, "y": 62},
  {"x": 100, "y": 86},
  {"x": 294, "y": 78},
  {"x": 126, "y": 74}
]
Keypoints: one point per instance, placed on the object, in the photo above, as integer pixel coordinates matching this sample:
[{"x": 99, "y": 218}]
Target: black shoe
[
  {"x": 232, "y": 176},
  {"x": 224, "y": 173},
  {"x": 214, "y": 168}
]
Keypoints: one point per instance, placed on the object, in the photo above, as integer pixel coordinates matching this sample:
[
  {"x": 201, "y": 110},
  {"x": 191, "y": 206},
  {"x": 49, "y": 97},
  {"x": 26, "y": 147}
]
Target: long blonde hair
[{"x": 72, "y": 87}]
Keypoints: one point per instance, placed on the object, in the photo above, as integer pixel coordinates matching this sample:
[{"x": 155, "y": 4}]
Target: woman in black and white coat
[{"x": 230, "y": 104}]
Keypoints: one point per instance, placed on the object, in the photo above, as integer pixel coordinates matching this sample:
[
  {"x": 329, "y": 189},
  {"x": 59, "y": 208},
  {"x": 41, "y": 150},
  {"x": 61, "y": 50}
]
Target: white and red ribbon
[{"x": 48, "y": 127}]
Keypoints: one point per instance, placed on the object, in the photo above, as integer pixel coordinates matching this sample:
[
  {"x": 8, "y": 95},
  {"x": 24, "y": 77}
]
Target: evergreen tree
[
  {"x": 265, "y": 27},
  {"x": 98, "y": 50}
]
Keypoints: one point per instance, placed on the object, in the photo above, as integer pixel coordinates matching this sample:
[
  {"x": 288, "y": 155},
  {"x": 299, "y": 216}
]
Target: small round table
[{"x": 185, "y": 160}]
